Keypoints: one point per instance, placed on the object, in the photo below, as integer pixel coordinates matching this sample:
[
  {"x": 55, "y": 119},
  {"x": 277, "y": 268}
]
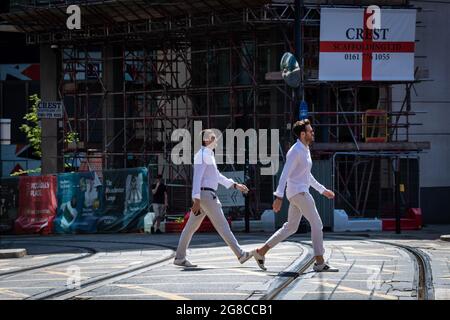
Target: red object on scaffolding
[{"x": 413, "y": 221}]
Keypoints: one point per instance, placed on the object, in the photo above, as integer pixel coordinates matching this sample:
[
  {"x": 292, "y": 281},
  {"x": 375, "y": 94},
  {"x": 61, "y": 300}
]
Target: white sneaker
[
  {"x": 259, "y": 259},
  {"x": 324, "y": 268},
  {"x": 183, "y": 263},
  {"x": 244, "y": 258}
]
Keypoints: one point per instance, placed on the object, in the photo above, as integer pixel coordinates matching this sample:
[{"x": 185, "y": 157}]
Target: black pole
[
  {"x": 247, "y": 204},
  {"x": 397, "y": 195},
  {"x": 298, "y": 46}
]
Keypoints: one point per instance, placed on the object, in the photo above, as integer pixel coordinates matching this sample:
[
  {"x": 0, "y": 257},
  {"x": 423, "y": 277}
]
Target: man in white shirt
[
  {"x": 297, "y": 175},
  {"x": 205, "y": 202}
]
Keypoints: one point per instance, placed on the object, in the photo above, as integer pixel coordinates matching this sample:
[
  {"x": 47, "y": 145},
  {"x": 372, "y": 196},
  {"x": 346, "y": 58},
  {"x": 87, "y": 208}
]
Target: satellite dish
[{"x": 290, "y": 70}]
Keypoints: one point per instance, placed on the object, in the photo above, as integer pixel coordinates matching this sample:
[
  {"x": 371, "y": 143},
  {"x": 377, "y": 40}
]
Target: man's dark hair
[{"x": 300, "y": 126}]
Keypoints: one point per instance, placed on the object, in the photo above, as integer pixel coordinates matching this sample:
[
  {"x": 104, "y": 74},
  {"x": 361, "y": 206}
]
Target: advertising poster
[
  {"x": 126, "y": 199},
  {"x": 79, "y": 203},
  {"x": 9, "y": 204},
  {"x": 37, "y": 204}
]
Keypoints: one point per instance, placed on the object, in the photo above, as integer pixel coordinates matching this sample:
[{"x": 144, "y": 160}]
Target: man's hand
[
  {"x": 196, "y": 207},
  {"x": 329, "y": 194},
  {"x": 242, "y": 187},
  {"x": 276, "y": 206}
]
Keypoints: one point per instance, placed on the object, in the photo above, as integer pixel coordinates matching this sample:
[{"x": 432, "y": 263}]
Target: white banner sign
[
  {"x": 231, "y": 197},
  {"x": 351, "y": 50},
  {"x": 50, "y": 110}
]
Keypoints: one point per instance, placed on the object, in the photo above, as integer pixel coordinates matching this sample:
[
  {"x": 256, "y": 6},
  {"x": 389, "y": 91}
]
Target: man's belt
[{"x": 209, "y": 189}]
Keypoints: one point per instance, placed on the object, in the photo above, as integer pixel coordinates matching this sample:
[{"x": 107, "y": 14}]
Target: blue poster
[{"x": 80, "y": 203}]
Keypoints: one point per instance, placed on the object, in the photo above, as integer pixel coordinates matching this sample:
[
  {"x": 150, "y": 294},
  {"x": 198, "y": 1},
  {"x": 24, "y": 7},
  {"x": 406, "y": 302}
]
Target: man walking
[
  {"x": 297, "y": 175},
  {"x": 160, "y": 202},
  {"x": 205, "y": 202}
]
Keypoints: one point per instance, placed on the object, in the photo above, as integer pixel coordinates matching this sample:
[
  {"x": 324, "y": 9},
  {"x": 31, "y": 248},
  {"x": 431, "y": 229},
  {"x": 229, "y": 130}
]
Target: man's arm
[
  {"x": 156, "y": 188},
  {"x": 226, "y": 182},
  {"x": 320, "y": 188},
  {"x": 291, "y": 161},
  {"x": 199, "y": 170},
  {"x": 315, "y": 184},
  {"x": 166, "y": 199}
]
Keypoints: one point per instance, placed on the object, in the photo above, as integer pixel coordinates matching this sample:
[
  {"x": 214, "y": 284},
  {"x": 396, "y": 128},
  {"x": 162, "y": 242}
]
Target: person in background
[{"x": 160, "y": 202}]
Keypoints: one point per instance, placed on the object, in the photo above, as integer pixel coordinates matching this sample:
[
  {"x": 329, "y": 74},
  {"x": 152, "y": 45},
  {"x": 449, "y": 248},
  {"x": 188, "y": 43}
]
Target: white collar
[
  {"x": 306, "y": 148},
  {"x": 207, "y": 150}
]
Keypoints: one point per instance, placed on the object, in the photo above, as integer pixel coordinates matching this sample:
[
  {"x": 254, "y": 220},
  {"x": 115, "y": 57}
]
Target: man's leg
[
  {"x": 308, "y": 207},
  {"x": 156, "y": 207},
  {"x": 191, "y": 226},
  {"x": 211, "y": 204},
  {"x": 159, "y": 215},
  {"x": 309, "y": 210},
  {"x": 289, "y": 228}
]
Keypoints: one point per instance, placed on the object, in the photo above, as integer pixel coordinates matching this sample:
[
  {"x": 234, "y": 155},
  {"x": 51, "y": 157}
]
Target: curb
[{"x": 12, "y": 253}]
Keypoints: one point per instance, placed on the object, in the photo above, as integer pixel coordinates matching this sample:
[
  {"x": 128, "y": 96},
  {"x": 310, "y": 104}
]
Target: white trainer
[
  {"x": 324, "y": 268},
  {"x": 244, "y": 258},
  {"x": 183, "y": 263},
  {"x": 260, "y": 259}
]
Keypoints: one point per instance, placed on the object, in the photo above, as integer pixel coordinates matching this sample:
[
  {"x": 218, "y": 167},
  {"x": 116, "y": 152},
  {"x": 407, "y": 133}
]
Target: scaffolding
[{"x": 141, "y": 69}]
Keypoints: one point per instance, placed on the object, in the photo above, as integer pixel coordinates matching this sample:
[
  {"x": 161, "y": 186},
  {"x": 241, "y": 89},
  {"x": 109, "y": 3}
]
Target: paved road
[{"x": 368, "y": 269}]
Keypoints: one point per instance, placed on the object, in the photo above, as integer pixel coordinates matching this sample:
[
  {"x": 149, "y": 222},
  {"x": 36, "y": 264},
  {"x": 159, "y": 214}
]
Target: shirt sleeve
[
  {"x": 199, "y": 170},
  {"x": 291, "y": 160},
  {"x": 226, "y": 182},
  {"x": 315, "y": 184}
]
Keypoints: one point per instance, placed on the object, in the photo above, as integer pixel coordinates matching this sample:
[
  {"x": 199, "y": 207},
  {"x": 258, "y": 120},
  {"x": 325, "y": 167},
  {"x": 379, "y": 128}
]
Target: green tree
[
  {"x": 32, "y": 128},
  {"x": 33, "y": 131}
]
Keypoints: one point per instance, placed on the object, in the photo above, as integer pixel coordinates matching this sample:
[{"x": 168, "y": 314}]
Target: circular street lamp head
[{"x": 290, "y": 70}]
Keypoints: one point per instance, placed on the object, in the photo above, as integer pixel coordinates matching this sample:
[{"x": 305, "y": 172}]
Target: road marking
[
  {"x": 152, "y": 292},
  {"x": 353, "y": 290},
  {"x": 259, "y": 274},
  {"x": 365, "y": 253},
  {"x": 12, "y": 293},
  {"x": 28, "y": 280},
  {"x": 41, "y": 257},
  {"x": 214, "y": 294},
  {"x": 26, "y": 288},
  {"x": 373, "y": 268},
  {"x": 146, "y": 295},
  {"x": 190, "y": 275},
  {"x": 58, "y": 273},
  {"x": 199, "y": 283}
]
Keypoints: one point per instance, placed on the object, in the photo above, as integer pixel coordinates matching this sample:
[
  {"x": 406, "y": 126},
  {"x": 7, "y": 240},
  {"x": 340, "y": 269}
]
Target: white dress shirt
[
  {"x": 206, "y": 174},
  {"x": 297, "y": 172}
]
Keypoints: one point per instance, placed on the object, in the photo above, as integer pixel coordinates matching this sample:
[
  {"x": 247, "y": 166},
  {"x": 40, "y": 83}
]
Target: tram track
[
  {"x": 90, "y": 252},
  {"x": 423, "y": 282}
]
